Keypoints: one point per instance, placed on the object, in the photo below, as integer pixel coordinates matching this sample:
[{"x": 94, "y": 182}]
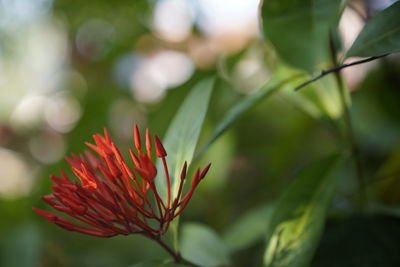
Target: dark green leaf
[
  {"x": 299, "y": 29},
  {"x": 381, "y": 34},
  {"x": 298, "y": 218},
  {"x": 249, "y": 229},
  {"x": 201, "y": 245}
]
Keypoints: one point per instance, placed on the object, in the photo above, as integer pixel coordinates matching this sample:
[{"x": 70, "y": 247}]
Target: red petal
[{"x": 51, "y": 217}]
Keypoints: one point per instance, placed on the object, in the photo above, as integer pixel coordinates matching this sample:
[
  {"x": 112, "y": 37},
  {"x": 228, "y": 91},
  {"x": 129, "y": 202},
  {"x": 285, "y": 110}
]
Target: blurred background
[{"x": 69, "y": 69}]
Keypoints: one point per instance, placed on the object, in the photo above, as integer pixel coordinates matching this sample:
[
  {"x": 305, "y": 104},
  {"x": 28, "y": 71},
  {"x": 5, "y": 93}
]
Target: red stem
[{"x": 168, "y": 182}]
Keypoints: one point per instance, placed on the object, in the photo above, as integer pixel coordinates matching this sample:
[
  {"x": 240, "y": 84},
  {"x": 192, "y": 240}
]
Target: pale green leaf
[
  {"x": 183, "y": 133},
  {"x": 299, "y": 216},
  {"x": 202, "y": 246},
  {"x": 250, "y": 228}
]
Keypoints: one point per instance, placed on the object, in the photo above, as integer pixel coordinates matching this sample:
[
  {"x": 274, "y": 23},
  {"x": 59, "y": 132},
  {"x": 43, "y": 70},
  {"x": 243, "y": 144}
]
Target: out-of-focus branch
[{"x": 337, "y": 69}]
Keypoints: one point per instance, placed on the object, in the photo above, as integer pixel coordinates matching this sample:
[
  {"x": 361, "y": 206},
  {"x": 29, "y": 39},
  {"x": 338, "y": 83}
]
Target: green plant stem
[
  {"x": 174, "y": 254},
  {"x": 174, "y": 229},
  {"x": 350, "y": 132},
  {"x": 348, "y": 123}
]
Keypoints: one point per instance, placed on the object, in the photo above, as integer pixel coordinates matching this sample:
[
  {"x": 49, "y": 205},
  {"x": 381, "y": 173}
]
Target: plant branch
[
  {"x": 337, "y": 69},
  {"x": 350, "y": 132},
  {"x": 174, "y": 254},
  {"x": 347, "y": 117}
]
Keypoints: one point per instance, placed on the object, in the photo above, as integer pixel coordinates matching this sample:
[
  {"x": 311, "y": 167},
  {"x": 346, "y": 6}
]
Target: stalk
[{"x": 349, "y": 126}]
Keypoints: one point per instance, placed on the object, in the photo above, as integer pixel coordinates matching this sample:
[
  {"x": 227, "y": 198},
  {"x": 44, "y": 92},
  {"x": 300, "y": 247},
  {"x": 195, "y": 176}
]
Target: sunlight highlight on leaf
[{"x": 299, "y": 216}]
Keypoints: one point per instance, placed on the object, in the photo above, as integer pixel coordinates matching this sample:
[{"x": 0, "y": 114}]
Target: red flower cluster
[{"x": 110, "y": 198}]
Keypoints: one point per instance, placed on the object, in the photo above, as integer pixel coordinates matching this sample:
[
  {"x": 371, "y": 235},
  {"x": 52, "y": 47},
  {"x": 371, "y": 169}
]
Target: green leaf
[
  {"x": 249, "y": 229},
  {"x": 299, "y": 29},
  {"x": 266, "y": 90},
  {"x": 380, "y": 35},
  {"x": 298, "y": 218},
  {"x": 202, "y": 246},
  {"x": 319, "y": 99},
  {"x": 183, "y": 133}
]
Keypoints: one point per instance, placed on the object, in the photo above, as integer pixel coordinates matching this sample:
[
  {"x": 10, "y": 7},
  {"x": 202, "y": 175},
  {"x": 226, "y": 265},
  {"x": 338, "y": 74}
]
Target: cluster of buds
[{"x": 112, "y": 198}]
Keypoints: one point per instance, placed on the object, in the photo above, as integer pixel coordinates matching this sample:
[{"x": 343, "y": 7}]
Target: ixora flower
[{"x": 110, "y": 197}]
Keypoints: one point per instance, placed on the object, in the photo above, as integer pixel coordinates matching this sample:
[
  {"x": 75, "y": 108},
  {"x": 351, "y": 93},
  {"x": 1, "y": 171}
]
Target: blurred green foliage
[{"x": 257, "y": 132}]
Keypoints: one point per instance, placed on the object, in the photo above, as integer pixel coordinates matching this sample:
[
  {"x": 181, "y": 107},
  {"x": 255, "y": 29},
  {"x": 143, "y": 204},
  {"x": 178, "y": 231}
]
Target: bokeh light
[
  {"x": 173, "y": 19},
  {"x": 62, "y": 113},
  {"x": 47, "y": 147},
  {"x": 158, "y": 72},
  {"x": 16, "y": 176},
  {"x": 350, "y": 26}
]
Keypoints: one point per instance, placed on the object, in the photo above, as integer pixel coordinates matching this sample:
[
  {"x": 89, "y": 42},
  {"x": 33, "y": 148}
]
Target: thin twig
[{"x": 337, "y": 69}]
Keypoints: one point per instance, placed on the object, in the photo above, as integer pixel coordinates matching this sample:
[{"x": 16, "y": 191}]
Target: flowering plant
[
  {"x": 114, "y": 193},
  {"x": 112, "y": 198}
]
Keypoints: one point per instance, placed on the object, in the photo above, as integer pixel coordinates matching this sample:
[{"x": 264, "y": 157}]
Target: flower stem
[{"x": 174, "y": 254}]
